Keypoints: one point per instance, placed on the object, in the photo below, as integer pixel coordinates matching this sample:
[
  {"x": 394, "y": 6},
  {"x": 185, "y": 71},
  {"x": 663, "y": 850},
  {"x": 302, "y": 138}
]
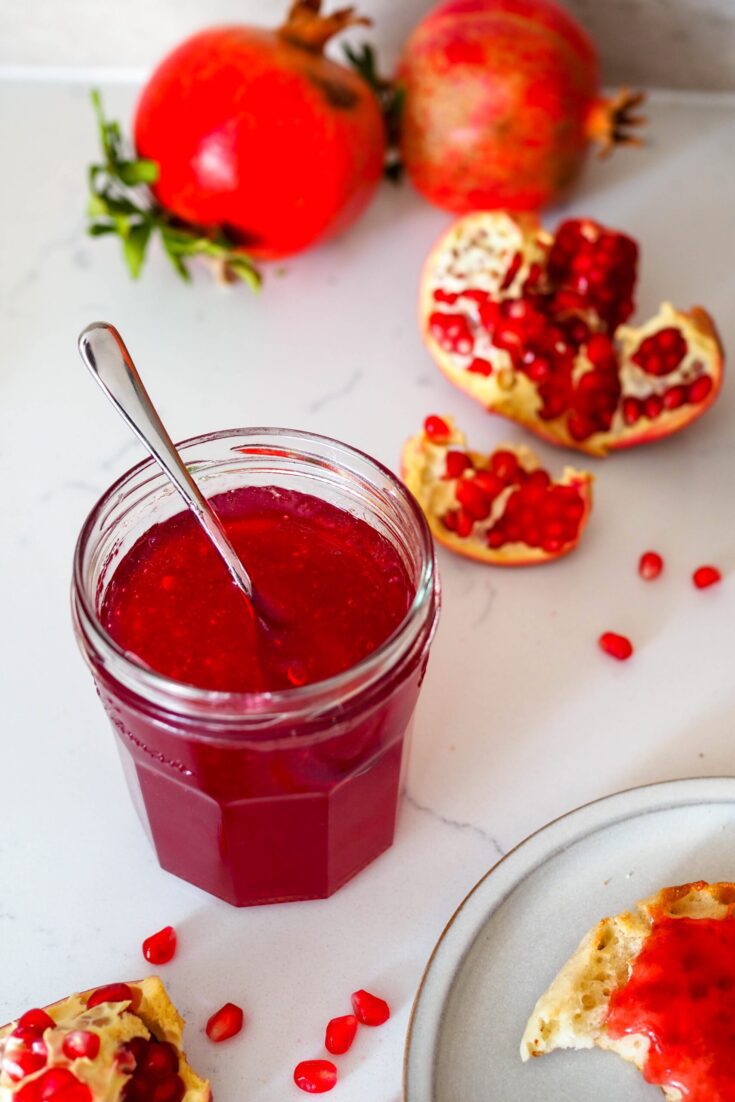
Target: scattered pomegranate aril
[
  {"x": 705, "y": 576},
  {"x": 369, "y": 1009},
  {"x": 225, "y": 1023},
  {"x": 113, "y": 993},
  {"x": 554, "y": 353},
  {"x": 81, "y": 1044},
  {"x": 436, "y": 428},
  {"x": 340, "y": 1034},
  {"x": 617, "y": 646},
  {"x": 650, "y": 565},
  {"x": 315, "y": 1076},
  {"x": 160, "y": 948}
]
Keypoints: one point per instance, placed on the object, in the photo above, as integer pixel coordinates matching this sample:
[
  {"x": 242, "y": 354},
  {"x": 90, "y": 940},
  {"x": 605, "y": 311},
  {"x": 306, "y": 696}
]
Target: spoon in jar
[{"x": 109, "y": 362}]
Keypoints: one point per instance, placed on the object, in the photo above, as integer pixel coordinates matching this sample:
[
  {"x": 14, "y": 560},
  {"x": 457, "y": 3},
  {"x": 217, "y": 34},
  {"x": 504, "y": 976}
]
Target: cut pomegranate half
[
  {"x": 121, "y": 1041},
  {"x": 501, "y": 508},
  {"x": 532, "y": 325}
]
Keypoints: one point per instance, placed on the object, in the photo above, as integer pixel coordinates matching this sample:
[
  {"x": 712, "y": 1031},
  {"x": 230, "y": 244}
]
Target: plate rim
[{"x": 656, "y": 791}]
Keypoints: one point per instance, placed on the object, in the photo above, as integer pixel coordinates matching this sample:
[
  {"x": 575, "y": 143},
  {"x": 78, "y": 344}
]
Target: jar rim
[{"x": 236, "y": 706}]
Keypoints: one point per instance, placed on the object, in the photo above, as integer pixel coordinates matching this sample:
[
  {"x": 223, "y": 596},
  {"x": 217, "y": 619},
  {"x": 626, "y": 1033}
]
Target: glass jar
[{"x": 274, "y": 796}]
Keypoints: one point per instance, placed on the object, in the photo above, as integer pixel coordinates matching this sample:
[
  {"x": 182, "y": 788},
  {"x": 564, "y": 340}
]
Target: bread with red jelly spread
[
  {"x": 108, "y": 1044},
  {"x": 581, "y": 1008}
]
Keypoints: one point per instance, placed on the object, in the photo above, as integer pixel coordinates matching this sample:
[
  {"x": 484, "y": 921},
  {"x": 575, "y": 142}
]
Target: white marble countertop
[{"x": 521, "y": 717}]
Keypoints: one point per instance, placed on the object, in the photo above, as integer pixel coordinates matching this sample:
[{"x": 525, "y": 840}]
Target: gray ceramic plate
[{"x": 524, "y": 919}]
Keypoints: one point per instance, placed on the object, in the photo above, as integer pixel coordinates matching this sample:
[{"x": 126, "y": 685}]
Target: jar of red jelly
[{"x": 262, "y": 797}]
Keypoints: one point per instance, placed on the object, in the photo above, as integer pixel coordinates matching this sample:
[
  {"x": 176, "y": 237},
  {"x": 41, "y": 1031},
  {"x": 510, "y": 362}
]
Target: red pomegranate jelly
[
  {"x": 681, "y": 995},
  {"x": 338, "y": 588},
  {"x": 258, "y": 798}
]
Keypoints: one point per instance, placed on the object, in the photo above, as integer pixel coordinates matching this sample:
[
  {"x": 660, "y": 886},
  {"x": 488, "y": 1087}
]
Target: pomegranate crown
[
  {"x": 611, "y": 121},
  {"x": 306, "y": 27}
]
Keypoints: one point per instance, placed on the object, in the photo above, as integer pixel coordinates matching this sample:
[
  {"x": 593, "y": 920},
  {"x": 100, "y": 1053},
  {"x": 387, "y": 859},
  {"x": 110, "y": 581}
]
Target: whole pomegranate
[
  {"x": 257, "y": 132},
  {"x": 501, "y": 101}
]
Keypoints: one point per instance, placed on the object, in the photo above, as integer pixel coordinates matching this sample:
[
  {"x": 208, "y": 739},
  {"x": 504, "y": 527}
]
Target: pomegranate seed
[
  {"x": 650, "y": 565},
  {"x": 315, "y": 1076},
  {"x": 489, "y": 483},
  {"x": 452, "y": 332},
  {"x": 55, "y": 1085},
  {"x": 24, "y": 1053},
  {"x": 674, "y": 397},
  {"x": 465, "y": 523},
  {"x": 113, "y": 993},
  {"x": 631, "y": 410},
  {"x": 369, "y": 1009},
  {"x": 81, "y": 1044},
  {"x": 170, "y": 1090},
  {"x": 340, "y": 1034},
  {"x": 705, "y": 576},
  {"x": 159, "y": 1061},
  {"x": 457, "y": 463},
  {"x": 225, "y": 1023},
  {"x": 436, "y": 428},
  {"x": 699, "y": 389},
  {"x": 617, "y": 646},
  {"x": 159, "y": 948},
  {"x": 473, "y": 499},
  {"x": 480, "y": 367},
  {"x": 37, "y": 1020},
  {"x": 504, "y": 464},
  {"x": 661, "y": 353}
]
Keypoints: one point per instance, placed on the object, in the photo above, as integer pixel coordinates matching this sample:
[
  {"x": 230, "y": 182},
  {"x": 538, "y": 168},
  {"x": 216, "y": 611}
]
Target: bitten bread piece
[
  {"x": 573, "y": 1011},
  {"x": 89, "y": 1047}
]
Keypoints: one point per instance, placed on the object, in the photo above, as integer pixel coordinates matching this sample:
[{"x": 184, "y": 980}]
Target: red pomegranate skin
[
  {"x": 273, "y": 142},
  {"x": 499, "y": 96}
]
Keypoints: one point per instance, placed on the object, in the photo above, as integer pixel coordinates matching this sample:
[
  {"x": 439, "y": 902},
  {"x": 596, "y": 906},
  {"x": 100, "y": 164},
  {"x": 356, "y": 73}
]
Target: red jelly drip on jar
[{"x": 680, "y": 996}]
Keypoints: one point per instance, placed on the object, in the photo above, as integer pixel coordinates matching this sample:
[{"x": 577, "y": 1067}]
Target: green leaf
[
  {"x": 244, "y": 270},
  {"x": 141, "y": 171},
  {"x": 120, "y": 202},
  {"x": 390, "y": 96},
  {"x": 178, "y": 264},
  {"x": 135, "y": 245}
]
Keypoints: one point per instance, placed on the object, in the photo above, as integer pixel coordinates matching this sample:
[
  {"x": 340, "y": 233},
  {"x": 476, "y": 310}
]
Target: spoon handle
[{"x": 109, "y": 362}]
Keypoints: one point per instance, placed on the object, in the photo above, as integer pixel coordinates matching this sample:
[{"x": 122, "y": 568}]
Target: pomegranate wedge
[
  {"x": 122, "y": 1041},
  {"x": 501, "y": 508},
  {"x": 532, "y": 325}
]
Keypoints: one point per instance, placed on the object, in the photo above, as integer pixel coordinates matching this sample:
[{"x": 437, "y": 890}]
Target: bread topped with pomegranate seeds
[
  {"x": 575, "y": 1011},
  {"x": 108, "y": 1044}
]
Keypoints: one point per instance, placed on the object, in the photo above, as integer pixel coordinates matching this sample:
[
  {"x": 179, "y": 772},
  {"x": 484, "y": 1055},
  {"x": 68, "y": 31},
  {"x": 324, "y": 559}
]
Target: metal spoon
[{"x": 104, "y": 352}]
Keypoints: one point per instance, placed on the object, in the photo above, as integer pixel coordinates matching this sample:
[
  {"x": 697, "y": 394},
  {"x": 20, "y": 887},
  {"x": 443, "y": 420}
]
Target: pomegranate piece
[
  {"x": 160, "y": 948},
  {"x": 705, "y": 576},
  {"x": 500, "y": 102},
  {"x": 500, "y": 508},
  {"x": 369, "y": 1009},
  {"x": 617, "y": 646},
  {"x": 315, "y": 1076},
  {"x": 340, "y": 1034},
  {"x": 152, "y": 1062},
  {"x": 650, "y": 565},
  {"x": 547, "y": 314},
  {"x": 225, "y": 1023},
  {"x": 81, "y": 1044}
]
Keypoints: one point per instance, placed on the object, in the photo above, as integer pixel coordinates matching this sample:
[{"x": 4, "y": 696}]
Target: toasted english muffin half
[{"x": 572, "y": 1012}]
